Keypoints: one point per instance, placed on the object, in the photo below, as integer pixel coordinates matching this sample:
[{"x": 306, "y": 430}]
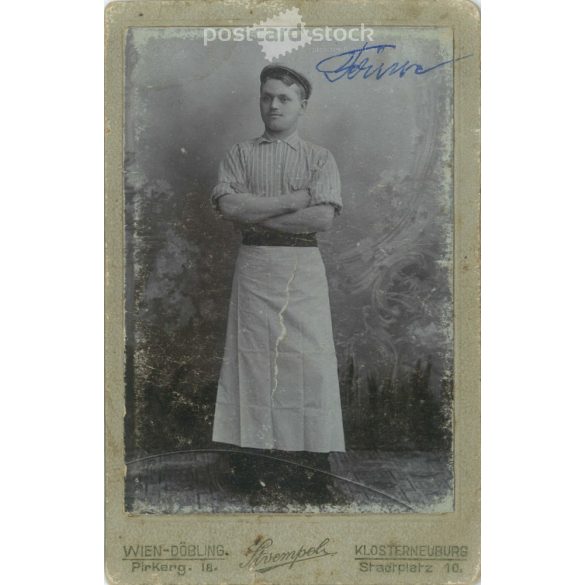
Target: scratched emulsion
[
  {"x": 388, "y": 256},
  {"x": 282, "y": 324}
]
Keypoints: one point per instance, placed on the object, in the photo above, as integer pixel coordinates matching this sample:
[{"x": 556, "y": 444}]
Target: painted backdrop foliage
[{"x": 388, "y": 256}]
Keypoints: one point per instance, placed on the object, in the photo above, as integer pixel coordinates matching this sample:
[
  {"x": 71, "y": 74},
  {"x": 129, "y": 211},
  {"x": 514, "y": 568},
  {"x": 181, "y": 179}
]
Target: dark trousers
[{"x": 295, "y": 471}]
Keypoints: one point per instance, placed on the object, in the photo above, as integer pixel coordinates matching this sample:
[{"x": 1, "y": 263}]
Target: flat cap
[{"x": 276, "y": 69}]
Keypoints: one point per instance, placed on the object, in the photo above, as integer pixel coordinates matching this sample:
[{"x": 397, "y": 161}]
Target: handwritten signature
[
  {"x": 350, "y": 64},
  {"x": 262, "y": 559}
]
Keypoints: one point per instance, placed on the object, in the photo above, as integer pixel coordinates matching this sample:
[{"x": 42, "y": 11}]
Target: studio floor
[{"x": 360, "y": 482}]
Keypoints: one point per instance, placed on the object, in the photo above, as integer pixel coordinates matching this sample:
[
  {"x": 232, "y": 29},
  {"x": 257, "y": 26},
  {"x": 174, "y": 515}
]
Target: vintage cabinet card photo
[{"x": 292, "y": 289}]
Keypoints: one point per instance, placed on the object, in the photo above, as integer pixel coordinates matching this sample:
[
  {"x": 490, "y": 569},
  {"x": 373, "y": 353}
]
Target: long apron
[{"x": 278, "y": 386}]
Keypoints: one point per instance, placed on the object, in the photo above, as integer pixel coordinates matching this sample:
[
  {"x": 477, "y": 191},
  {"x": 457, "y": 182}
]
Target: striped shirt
[{"x": 271, "y": 167}]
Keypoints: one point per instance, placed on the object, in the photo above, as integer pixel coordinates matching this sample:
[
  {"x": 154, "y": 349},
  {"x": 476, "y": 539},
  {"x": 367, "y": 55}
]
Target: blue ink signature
[{"x": 352, "y": 63}]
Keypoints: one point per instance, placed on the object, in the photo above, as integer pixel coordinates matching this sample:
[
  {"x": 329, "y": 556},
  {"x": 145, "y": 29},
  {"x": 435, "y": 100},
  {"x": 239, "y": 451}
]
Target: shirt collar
[{"x": 292, "y": 140}]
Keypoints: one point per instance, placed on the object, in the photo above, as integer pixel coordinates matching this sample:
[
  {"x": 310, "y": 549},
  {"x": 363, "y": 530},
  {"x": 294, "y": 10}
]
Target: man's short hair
[{"x": 288, "y": 76}]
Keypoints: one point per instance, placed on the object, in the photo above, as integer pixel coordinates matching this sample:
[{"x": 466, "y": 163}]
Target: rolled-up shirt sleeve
[
  {"x": 231, "y": 171},
  {"x": 325, "y": 185}
]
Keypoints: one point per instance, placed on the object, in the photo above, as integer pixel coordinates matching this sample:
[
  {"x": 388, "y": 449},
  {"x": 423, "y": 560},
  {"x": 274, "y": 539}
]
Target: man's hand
[
  {"x": 299, "y": 199},
  {"x": 238, "y": 187}
]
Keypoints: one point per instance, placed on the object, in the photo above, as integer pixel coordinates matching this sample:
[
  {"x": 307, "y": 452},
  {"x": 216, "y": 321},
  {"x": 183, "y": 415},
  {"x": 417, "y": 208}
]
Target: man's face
[{"x": 280, "y": 106}]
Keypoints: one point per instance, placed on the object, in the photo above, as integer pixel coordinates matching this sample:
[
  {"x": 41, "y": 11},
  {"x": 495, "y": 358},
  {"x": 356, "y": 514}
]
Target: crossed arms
[{"x": 289, "y": 213}]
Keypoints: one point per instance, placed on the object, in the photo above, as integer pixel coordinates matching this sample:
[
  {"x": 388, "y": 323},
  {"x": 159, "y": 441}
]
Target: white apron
[{"x": 278, "y": 387}]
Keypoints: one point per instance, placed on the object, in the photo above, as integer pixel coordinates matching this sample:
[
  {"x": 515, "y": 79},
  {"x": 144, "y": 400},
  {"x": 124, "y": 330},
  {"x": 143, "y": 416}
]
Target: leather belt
[{"x": 279, "y": 239}]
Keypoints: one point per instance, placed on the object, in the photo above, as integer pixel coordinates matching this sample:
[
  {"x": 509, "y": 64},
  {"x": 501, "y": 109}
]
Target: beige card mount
[{"x": 292, "y": 292}]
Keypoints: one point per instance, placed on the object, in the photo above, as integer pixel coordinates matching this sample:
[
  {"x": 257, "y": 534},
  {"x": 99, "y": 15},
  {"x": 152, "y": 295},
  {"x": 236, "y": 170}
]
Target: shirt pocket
[{"x": 298, "y": 182}]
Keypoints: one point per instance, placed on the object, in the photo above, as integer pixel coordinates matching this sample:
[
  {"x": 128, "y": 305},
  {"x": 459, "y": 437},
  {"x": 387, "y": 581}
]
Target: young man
[{"x": 278, "y": 391}]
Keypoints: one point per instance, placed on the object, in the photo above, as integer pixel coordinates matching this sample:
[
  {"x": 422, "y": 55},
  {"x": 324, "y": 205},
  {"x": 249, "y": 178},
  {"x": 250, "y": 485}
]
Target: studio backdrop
[{"x": 388, "y": 256}]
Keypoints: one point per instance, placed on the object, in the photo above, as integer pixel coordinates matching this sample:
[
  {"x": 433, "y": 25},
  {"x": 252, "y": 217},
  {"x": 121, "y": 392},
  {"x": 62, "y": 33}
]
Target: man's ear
[{"x": 304, "y": 105}]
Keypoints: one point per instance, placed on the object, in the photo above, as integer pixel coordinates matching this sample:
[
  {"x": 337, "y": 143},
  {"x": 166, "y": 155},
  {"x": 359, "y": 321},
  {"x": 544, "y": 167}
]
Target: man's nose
[{"x": 274, "y": 104}]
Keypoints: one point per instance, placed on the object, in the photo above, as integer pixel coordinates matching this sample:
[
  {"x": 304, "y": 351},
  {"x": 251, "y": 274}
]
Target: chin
[{"x": 275, "y": 126}]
